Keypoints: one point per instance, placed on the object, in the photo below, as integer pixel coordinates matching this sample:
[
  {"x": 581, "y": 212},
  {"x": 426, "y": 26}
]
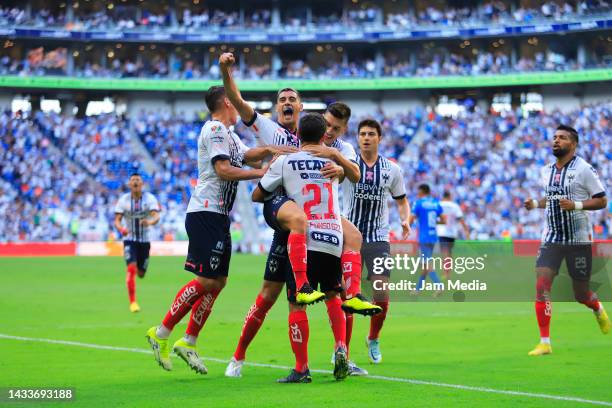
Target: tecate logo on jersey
[{"x": 307, "y": 164}]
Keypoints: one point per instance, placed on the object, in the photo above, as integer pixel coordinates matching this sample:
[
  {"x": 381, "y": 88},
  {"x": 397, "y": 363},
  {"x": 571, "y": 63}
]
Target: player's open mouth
[{"x": 288, "y": 110}]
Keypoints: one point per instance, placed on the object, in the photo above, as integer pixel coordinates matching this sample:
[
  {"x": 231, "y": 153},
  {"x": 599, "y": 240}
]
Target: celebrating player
[
  {"x": 447, "y": 233},
  {"x": 284, "y": 216},
  {"x": 428, "y": 211},
  {"x": 368, "y": 209},
  {"x": 140, "y": 210},
  {"x": 299, "y": 175},
  {"x": 221, "y": 155},
  {"x": 572, "y": 187}
]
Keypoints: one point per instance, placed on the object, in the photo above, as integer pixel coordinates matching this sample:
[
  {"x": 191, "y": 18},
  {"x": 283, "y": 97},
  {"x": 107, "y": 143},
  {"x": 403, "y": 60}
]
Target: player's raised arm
[{"x": 246, "y": 111}]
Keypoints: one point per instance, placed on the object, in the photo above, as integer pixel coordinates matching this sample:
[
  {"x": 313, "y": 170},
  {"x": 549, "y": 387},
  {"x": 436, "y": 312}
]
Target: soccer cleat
[
  {"x": 341, "y": 368},
  {"x": 360, "y": 305},
  {"x": 234, "y": 368},
  {"x": 541, "y": 349},
  {"x": 161, "y": 351},
  {"x": 604, "y": 321},
  {"x": 374, "y": 353},
  {"x": 134, "y": 308},
  {"x": 356, "y": 371},
  {"x": 190, "y": 355},
  {"x": 307, "y": 295},
  {"x": 296, "y": 377}
]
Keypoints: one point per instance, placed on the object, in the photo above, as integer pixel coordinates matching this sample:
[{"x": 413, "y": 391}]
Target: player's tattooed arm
[
  {"x": 253, "y": 157},
  {"x": 227, "y": 172},
  {"x": 351, "y": 169},
  {"x": 118, "y": 226},
  {"x": 532, "y": 204},
  {"x": 152, "y": 220},
  {"x": 246, "y": 111},
  {"x": 332, "y": 171}
]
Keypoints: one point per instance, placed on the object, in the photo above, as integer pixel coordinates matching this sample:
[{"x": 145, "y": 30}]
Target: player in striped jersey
[
  {"x": 221, "y": 155},
  {"x": 299, "y": 175},
  {"x": 286, "y": 219},
  {"x": 140, "y": 211},
  {"x": 367, "y": 207},
  {"x": 571, "y": 187}
]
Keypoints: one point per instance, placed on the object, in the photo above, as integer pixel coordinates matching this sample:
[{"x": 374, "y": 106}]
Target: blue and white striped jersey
[
  {"x": 216, "y": 142},
  {"x": 576, "y": 181},
  {"x": 367, "y": 207},
  {"x": 134, "y": 210}
]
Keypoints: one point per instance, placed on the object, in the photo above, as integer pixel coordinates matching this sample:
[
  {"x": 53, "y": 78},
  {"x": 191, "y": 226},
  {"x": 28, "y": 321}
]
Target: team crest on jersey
[
  {"x": 571, "y": 177},
  {"x": 385, "y": 177},
  {"x": 214, "y": 262}
]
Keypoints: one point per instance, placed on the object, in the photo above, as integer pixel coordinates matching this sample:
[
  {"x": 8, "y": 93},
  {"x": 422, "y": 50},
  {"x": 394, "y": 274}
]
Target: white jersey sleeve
[
  {"x": 397, "y": 188},
  {"x": 269, "y": 132},
  {"x": 590, "y": 181},
  {"x": 273, "y": 178},
  {"x": 122, "y": 204},
  {"x": 151, "y": 203}
]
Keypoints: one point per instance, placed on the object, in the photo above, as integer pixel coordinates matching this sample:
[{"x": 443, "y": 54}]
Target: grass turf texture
[{"x": 474, "y": 344}]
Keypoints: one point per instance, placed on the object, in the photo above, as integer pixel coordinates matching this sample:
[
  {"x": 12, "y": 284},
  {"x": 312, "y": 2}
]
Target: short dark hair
[
  {"x": 312, "y": 127},
  {"x": 340, "y": 111},
  {"x": 135, "y": 174},
  {"x": 288, "y": 89},
  {"x": 214, "y": 96},
  {"x": 447, "y": 194},
  {"x": 573, "y": 132},
  {"x": 424, "y": 188},
  {"x": 370, "y": 123}
]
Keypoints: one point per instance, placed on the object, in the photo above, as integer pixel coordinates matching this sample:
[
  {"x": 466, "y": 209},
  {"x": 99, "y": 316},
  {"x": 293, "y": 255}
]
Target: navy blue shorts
[
  {"x": 277, "y": 264},
  {"x": 324, "y": 273},
  {"x": 210, "y": 244},
  {"x": 370, "y": 252},
  {"x": 270, "y": 210},
  {"x": 137, "y": 252},
  {"x": 447, "y": 243},
  {"x": 578, "y": 257}
]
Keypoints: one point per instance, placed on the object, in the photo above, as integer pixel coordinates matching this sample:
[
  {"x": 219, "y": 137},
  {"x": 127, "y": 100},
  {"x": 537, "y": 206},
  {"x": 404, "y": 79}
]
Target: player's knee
[
  {"x": 298, "y": 223},
  {"x": 294, "y": 307},
  {"x": 270, "y": 291}
]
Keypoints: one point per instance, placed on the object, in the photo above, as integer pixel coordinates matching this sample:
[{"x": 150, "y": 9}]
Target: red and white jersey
[
  {"x": 216, "y": 142},
  {"x": 300, "y": 175},
  {"x": 134, "y": 210}
]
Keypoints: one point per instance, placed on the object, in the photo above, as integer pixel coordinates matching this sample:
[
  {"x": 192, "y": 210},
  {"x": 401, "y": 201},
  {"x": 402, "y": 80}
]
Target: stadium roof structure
[{"x": 388, "y": 83}]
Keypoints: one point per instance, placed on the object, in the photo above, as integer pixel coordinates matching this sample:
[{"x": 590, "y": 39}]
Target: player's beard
[{"x": 560, "y": 152}]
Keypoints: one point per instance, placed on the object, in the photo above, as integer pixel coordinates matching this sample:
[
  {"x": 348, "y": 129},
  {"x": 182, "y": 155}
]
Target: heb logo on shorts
[{"x": 326, "y": 238}]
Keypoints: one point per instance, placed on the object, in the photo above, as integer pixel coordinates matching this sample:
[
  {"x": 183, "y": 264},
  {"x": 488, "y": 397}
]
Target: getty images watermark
[{"x": 418, "y": 264}]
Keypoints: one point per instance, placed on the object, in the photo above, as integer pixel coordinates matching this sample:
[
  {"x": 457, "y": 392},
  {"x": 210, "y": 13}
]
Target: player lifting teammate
[
  {"x": 282, "y": 214},
  {"x": 571, "y": 186},
  {"x": 299, "y": 175},
  {"x": 221, "y": 156},
  {"x": 140, "y": 210},
  {"x": 368, "y": 209}
]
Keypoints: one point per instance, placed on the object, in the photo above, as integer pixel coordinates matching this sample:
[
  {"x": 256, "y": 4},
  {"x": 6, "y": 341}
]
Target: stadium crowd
[
  {"x": 60, "y": 175},
  {"x": 124, "y": 17}
]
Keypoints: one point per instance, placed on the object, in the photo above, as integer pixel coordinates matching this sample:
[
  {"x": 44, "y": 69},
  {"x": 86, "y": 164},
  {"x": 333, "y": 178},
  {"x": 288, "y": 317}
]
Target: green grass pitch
[{"x": 482, "y": 345}]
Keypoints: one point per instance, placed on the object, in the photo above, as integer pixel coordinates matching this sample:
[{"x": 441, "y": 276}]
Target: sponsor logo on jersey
[
  {"x": 325, "y": 238},
  {"x": 307, "y": 164}
]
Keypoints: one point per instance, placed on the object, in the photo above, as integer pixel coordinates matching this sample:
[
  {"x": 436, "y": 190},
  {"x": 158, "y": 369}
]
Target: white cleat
[{"x": 234, "y": 368}]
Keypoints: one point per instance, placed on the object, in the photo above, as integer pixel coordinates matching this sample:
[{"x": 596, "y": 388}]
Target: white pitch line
[{"x": 282, "y": 367}]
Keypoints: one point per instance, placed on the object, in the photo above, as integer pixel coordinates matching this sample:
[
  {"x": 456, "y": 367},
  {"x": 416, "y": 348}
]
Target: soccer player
[
  {"x": 221, "y": 155},
  {"x": 368, "y": 209},
  {"x": 140, "y": 210},
  {"x": 299, "y": 175},
  {"x": 571, "y": 187},
  {"x": 428, "y": 211},
  {"x": 284, "y": 216},
  {"x": 447, "y": 233}
]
